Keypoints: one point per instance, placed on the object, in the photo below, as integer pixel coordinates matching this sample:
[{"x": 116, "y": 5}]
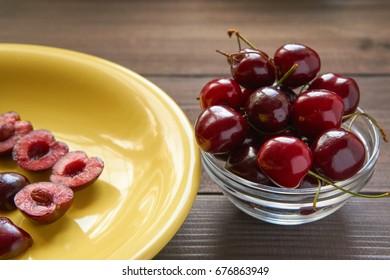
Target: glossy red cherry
[
  {"x": 338, "y": 154},
  {"x": 221, "y": 91},
  {"x": 307, "y": 59},
  {"x": 13, "y": 240},
  {"x": 252, "y": 69},
  {"x": 268, "y": 109},
  {"x": 285, "y": 160},
  {"x": 243, "y": 162},
  {"x": 344, "y": 86},
  {"x": 315, "y": 111},
  {"x": 219, "y": 129},
  {"x": 10, "y": 184}
]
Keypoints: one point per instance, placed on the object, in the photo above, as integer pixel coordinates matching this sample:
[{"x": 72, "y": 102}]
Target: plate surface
[{"x": 152, "y": 165}]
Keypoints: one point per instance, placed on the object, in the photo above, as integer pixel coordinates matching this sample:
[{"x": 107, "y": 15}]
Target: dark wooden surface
[{"x": 173, "y": 44}]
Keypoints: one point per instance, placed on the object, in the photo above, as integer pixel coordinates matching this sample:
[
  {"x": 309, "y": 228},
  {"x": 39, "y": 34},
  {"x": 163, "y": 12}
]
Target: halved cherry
[
  {"x": 38, "y": 150},
  {"x": 44, "y": 202},
  {"x": 11, "y": 130},
  {"x": 76, "y": 170}
]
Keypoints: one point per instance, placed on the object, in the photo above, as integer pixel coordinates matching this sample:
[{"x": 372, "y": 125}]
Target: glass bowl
[{"x": 288, "y": 206}]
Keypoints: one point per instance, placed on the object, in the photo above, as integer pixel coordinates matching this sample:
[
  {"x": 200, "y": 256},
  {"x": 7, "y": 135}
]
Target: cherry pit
[
  {"x": 42, "y": 202},
  {"x": 277, "y": 121}
]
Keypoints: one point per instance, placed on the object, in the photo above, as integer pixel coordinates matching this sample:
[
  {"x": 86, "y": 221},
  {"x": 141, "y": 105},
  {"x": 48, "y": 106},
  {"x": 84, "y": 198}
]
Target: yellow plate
[{"x": 152, "y": 165}]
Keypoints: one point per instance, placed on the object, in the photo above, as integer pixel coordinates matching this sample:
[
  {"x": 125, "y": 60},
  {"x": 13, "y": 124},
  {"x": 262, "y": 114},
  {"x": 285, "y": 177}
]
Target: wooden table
[{"x": 173, "y": 44}]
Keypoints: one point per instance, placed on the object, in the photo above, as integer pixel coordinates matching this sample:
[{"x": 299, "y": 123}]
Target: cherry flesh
[
  {"x": 44, "y": 202},
  {"x": 344, "y": 86},
  {"x": 219, "y": 129},
  {"x": 221, "y": 91},
  {"x": 285, "y": 160},
  {"x": 338, "y": 154},
  {"x": 315, "y": 111},
  {"x": 76, "y": 170},
  {"x": 268, "y": 109},
  {"x": 38, "y": 150},
  {"x": 308, "y": 61},
  {"x": 11, "y": 130},
  {"x": 252, "y": 69},
  {"x": 14, "y": 241},
  {"x": 10, "y": 184}
]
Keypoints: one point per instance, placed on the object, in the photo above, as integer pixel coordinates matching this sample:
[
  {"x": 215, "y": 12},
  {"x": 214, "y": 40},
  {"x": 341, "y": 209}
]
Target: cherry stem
[
  {"x": 317, "y": 195},
  {"x": 311, "y": 173},
  {"x": 285, "y": 76},
  {"x": 239, "y": 36},
  {"x": 353, "y": 117}
]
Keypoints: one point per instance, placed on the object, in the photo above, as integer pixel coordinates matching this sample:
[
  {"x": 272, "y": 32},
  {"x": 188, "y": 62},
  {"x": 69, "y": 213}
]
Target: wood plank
[
  {"x": 180, "y": 37},
  {"x": 215, "y": 229}
]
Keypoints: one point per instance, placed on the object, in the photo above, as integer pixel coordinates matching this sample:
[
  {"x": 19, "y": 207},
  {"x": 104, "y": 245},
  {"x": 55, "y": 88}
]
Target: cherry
[
  {"x": 76, "y": 170},
  {"x": 344, "y": 86},
  {"x": 338, "y": 154},
  {"x": 219, "y": 129},
  {"x": 13, "y": 240},
  {"x": 44, "y": 202},
  {"x": 252, "y": 68},
  {"x": 221, "y": 91},
  {"x": 10, "y": 184},
  {"x": 38, "y": 150},
  {"x": 11, "y": 130},
  {"x": 243, "y": 162},
  {"x": 308, "y": 61},
  {"x": 315, "y": 111},
  {"x": 285, "y": 160},
  {"x": 268, "y": 109}
]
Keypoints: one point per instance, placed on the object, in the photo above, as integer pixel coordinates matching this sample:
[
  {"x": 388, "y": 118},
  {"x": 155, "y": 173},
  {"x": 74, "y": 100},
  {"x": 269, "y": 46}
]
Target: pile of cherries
[
  {"x": 276, "y": 121},
  {"x": 44, "y": 202}
]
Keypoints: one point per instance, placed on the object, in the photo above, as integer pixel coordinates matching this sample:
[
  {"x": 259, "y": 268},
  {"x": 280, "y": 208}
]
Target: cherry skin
[
  {"x": 307, "y": 59},
  {"x": 344, "y": 86},
  {"x": 315, "y": 111},
  {"x": 221, "y": 91},
  {"x": 285, "y": 160},
  {"x": 268, "y": 109},
  {"x": 252, "y": 69},
  {"x": 13, "y": 240},
  {"x": 338, "y": 154},
  {"x": 219, "y": 129},
  {"x": 243, "y": 162},
  {"x": 10, "y": 184}
]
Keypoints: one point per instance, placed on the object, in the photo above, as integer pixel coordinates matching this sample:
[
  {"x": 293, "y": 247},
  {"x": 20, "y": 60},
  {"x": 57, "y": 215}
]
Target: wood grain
[{"x": 215, "y": 229}]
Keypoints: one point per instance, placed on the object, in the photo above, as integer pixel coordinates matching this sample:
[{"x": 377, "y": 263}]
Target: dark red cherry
[
  {"x": 221, "y": 91},
  {"x": 219, "y": 129},
  {"x": 338, "y": 154},
  {"x": 243, "y": 162},
  {"x": 252, "y": 69},
  {"x": 285, "y": 160},
  {"x": 344, "y": 86},
  {"x": 10, "y": 184},
  {"x": 307, "y": 59},
  {"x": 315, "y": 111},
  {"x": 13, "y": 240},
  {"x": 268, "y": 109}
]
